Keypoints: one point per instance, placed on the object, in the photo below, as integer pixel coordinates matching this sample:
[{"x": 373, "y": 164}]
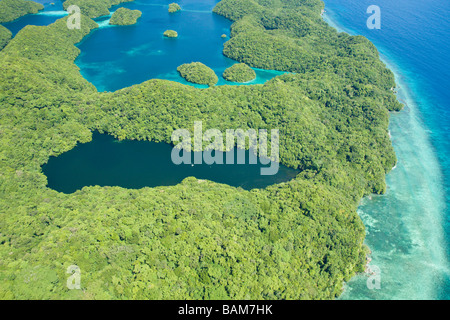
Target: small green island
[
  {"x": 125, "y": 17},
  {"x": 13, "y": 9},
  {"x": 174, "y": 7},
  {"x": 170, "y": 34},
  {"x": 197, "y": 72},
  {"x": 240, "y": 72}
]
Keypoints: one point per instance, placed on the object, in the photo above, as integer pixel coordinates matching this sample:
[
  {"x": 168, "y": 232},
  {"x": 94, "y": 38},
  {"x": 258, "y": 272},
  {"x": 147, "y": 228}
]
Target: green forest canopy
[
  {"x": 125, "y": 17},
  {"x": 170, "y": 33},
  {"x": 295, "y": 240},
  {"x": 174, "y": 7},
  {"x": 13, "y": 9},
  {"x": 239, "y": 72},
  {"x": 197, "y": 72},
  {"x": 93, "y": 8},
  {"x": 5, "y": 36}
]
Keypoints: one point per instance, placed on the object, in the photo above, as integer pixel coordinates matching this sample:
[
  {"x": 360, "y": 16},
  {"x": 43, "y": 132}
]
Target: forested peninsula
[
  {"x": 93, "y": 8},
  {"x": 13, "y": 9},
  {"x": 296, "y": 240}
]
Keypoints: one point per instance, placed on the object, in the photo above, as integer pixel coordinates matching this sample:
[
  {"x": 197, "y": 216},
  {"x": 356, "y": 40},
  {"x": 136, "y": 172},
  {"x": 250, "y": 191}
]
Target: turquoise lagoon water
[
  {"x": 408, "y": 228},
  {"x": 115, "y": 57}
]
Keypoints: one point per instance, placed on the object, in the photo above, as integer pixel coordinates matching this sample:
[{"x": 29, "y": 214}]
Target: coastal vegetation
[
  {"x": 125, "y": 17},
  {"x": 239, "y": 72},
  {"x": 5, "y": 36},
  {"x": 174, "y": 7},
  {"x": 296, "y": 240},
  {"x": 300, "y": 41},
  {"x": 197, "y": 72},
  {"x": 13, "y": 9},
  {"x": 170, "y": 34},
  {"x": 94, "y": 8}
]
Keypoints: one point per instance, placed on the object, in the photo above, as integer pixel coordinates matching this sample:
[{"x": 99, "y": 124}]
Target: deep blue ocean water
[{"x": 408, "y": 229}]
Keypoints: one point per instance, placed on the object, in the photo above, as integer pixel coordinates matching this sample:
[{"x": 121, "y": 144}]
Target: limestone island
[
  {"x": 224, "y": 36},
  {"x": 197, "y": 72},
  {"x": 170, "y": 34},
  {"x": 240, "y": 72},
  {"x": 174, "y": 7},
  {"x": 125, "y": 17}
]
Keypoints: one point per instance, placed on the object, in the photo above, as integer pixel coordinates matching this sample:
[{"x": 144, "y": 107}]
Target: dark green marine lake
[{"x": 106, "y": 161}]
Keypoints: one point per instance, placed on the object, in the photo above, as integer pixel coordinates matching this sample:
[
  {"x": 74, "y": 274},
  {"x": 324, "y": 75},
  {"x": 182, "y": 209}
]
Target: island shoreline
[{"x": 403, "y": 92}]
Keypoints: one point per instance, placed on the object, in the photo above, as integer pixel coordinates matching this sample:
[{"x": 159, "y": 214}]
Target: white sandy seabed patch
[{"x": 60, "y": 13}]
